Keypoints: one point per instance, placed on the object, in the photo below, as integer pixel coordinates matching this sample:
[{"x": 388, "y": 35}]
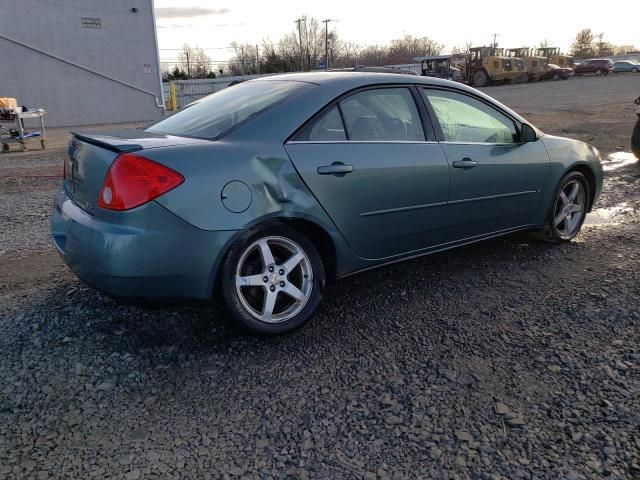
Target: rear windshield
[{"x": 218, "y": 114}]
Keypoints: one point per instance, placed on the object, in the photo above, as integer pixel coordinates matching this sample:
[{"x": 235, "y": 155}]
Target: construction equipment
[
  {"x": 534, "y": 66},
  {"x": 554, "y": 56},
  {"x": 479, "y": 67},
  {"x": 451, "y": 67},
  {"x": 488, "y": 64}
]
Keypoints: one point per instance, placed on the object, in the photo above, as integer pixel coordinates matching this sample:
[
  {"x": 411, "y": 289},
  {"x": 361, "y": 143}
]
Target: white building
[{"x": 84, "y": 61}]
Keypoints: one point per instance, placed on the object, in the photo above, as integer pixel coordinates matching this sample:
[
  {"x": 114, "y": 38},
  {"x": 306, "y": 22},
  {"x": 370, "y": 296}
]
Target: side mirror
[{"x": 527, "y": 133}]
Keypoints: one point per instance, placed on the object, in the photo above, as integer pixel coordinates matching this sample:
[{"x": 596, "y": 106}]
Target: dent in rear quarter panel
[
  {"x": 276, "y": 189},
  {"x": 564, "y": 155}
]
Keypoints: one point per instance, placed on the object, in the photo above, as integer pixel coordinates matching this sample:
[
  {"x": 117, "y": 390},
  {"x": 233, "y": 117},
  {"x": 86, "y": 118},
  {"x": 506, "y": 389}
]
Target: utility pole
[
  {"x": 326, "y": 42},
  {"x": 188, "y": 64},
  {"x": 299, "y": 22},
  {"x": 257, "y": 59},
  {"x": 494, "y": 45}
]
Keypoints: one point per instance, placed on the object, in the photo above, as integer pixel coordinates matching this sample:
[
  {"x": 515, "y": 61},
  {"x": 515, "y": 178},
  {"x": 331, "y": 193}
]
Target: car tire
[
  {"x": 564, "y": 221},
  {"x": 598, "y": 71},
  {"x": 634, "y": 70},
  {"x": 635, "y": 140},
  {"x": 556, "y": 77},
  {"x": 291, "y": 293}
]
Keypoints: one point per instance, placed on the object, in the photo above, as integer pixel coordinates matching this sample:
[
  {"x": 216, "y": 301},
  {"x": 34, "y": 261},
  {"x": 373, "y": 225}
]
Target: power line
[{"x": 203, "y": 48}]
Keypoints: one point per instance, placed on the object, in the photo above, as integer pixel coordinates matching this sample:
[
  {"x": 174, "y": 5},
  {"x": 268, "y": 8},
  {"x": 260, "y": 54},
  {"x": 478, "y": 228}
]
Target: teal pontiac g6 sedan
[{"x": 268, "y": 189}]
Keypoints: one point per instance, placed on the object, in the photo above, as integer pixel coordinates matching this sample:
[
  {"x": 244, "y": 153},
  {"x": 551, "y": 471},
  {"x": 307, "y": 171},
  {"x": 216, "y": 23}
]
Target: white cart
[{"x": 17, "y": 133}]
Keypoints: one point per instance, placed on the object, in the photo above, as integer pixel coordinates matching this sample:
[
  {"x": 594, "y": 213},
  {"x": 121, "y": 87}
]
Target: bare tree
[
  {"x": 245, "y": 60},
  {"x": 582, "y": 46},
  {"x": 304, "y": 47},
  {"x": 603, "y": 48},
  {"x": 195, "y": 62},
  {"x": 403, "y": 50},
  {"x": 545, "y": 43},
  {"x": 464, "y": 49}
]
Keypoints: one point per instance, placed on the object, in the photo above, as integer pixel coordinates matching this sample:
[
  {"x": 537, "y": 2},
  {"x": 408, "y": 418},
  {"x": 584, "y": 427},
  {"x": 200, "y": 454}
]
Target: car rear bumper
[{"x": 147, "y": 252}]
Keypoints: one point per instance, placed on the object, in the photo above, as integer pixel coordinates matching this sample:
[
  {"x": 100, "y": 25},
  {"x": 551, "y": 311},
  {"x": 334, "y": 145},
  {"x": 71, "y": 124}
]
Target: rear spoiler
[{"x": 104, "y": 140}]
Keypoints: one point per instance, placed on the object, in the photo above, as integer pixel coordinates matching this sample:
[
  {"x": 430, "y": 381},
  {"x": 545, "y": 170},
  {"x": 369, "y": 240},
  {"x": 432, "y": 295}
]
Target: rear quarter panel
[{"x": 275, "y": 187}]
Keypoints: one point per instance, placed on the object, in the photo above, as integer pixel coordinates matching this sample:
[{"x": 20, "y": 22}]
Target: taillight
[{"x": 133, "y": 180}]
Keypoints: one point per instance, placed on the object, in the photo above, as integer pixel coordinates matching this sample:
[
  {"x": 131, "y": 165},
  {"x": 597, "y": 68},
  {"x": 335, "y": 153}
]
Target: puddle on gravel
[
  {"x": 612, "y": 215},
  {"x": 618, "y": 160}
]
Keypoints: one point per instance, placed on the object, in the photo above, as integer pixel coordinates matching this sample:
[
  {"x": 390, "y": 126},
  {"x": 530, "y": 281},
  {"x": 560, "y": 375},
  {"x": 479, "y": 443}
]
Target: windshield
[{"x": 218, "y": 114}]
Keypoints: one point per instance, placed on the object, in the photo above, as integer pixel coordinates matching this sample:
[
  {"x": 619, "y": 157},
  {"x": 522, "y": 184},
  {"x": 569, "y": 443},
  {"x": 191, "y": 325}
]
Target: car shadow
[{"x": 180, "y": 328}]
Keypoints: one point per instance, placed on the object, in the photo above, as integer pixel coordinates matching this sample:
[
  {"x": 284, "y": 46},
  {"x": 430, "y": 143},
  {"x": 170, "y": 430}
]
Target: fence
[{"x": 179, "y": 93}]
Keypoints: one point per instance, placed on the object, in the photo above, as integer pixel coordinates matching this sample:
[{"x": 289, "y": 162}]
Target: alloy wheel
[
  {"x": 274, "y": 279},
  {"x": 570, "y": 209}
]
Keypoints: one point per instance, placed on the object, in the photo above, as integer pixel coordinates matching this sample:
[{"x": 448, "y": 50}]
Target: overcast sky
[{"x": 208, "y": 24}]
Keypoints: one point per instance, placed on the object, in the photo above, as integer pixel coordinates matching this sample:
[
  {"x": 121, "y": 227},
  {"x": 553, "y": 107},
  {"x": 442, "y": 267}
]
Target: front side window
[
  {"x": 388, "y": 114},
  {"x": 466, "y": 119},
  {"x": 216, "y": 115}
]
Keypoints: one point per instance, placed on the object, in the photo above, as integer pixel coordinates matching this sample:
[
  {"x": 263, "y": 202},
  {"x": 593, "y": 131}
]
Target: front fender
[{"x": 566, "y": 154}]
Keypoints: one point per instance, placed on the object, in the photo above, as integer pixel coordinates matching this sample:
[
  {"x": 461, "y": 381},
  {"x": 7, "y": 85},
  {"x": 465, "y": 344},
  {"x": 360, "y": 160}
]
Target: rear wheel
[
  {"x": 569, "y": 208},
  {"x": 5, "y": 147},
  {"x": 272, "y": 280},
  {"x": 480, "y": 78},
  {"x": 556, "y": 77},
  {"x": 634, "y": 70}
]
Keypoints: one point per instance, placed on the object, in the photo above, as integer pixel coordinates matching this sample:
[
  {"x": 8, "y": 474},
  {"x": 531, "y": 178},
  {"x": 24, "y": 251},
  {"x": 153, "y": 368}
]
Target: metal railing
[{"x": 178, "y": 93}]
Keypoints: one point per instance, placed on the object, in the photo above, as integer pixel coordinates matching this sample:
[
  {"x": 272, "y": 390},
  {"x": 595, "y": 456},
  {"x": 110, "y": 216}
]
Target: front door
[
  {"x": 496, "y": 181},
  {"x": 369, "y": 164}
]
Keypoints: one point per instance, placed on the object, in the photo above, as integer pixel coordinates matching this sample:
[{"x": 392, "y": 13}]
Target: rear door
[
  {"x": 381, "y": 179},
  {"x": 496, "y": 182}
]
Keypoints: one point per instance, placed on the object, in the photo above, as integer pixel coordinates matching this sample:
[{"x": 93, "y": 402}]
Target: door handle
[
  {"x": 338, "y": 169},
  {"x": 465, "y": 163}
]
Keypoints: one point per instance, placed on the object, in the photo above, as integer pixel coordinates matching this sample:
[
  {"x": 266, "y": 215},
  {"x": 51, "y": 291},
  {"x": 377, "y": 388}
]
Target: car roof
[{"x": 349, "y": 80}]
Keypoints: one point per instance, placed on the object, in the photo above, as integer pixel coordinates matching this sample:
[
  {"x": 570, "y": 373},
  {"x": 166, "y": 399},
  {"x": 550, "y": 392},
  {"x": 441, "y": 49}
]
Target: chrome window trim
[
  {"x": 510, "y": 144},
  {"x": 342, "y": 142}
]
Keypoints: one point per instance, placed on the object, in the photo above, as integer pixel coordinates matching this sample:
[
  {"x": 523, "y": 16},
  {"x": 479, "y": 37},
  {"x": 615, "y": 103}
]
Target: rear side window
[
  {"x": 327, "y": 128},
  {"x": 386, "y": 114},
  {"x": 218, "y": 114},
  {"x": 376, "y": 115}
]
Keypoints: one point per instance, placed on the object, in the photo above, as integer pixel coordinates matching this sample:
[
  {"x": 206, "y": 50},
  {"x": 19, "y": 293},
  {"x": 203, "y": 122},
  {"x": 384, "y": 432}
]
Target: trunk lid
[{"x": 90, "y": 155}]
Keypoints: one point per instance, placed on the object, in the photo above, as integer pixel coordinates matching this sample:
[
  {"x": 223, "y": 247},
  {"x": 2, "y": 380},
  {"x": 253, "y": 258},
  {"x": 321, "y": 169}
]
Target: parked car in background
[
  {"x": 626, "y": 66},
  {"x": 556, "y": 73},
  {"x": 598, "y": 66},
  {"x": 265, "y": 190}
]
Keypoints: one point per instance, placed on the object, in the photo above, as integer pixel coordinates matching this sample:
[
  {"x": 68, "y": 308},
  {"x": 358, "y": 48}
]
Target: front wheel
[
  {"x": 569, "y": 208},
  {"x": 635, "y": 140},
  {"x": 272, "y": 280},
  {"x": 598, "y": 72},
  {"x": 556, "y": 77}
]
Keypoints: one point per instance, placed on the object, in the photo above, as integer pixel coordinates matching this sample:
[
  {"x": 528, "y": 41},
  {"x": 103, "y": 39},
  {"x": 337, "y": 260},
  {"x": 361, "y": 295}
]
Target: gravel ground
[{"x": 509, "y": 359}]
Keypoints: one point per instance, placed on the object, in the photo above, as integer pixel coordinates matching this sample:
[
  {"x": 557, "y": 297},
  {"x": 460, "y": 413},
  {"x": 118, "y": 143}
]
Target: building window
[{"x": 91, "y": 23}]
